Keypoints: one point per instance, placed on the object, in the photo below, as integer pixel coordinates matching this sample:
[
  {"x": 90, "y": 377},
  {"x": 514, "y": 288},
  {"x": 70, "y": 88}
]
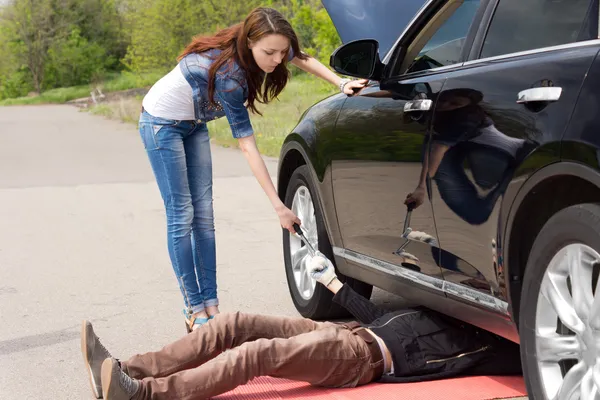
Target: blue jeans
[
  {"x": 179, "y": 152},
  {"x": 491, "y": 169}
]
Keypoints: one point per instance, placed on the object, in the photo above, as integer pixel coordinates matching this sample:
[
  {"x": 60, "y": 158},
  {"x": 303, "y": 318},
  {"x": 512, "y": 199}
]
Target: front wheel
[
  {"x": 311, "y": 299},
  {"x": 559, "y": 319}
]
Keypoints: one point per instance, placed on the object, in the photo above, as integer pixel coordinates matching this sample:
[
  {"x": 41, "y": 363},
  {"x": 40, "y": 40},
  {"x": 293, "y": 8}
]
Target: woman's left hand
[{"x": 355, "y": 84}]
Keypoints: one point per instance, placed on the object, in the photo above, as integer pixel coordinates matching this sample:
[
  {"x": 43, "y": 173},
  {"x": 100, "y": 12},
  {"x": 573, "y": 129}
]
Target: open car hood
[{"x": 382, "y": 20}]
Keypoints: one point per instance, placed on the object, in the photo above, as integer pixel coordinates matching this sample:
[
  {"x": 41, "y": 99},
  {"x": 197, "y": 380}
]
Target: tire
[
  {"x": 317, "y": 305},
  {"x": 573, "y": 230}
]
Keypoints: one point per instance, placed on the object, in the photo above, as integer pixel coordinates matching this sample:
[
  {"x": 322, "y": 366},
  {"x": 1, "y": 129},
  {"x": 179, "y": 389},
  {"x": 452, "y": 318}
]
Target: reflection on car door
[
  {"x": 377, "y": 149},
  {"x": 375, "y": 161},
  {"x": 492, "y": 114}
]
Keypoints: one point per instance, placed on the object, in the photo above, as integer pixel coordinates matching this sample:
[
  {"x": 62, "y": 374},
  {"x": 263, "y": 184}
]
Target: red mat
[{"x": 470, "y": 388}]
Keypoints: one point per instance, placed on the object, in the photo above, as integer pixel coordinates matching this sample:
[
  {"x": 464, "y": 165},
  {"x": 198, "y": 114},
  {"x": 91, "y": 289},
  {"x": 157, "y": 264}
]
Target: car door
[
  {"x": 497, "y": 119},
  {"x": 377, "y": 149}
]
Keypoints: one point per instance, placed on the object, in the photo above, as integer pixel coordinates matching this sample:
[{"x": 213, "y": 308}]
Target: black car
[{"x": 465, "y": 176}]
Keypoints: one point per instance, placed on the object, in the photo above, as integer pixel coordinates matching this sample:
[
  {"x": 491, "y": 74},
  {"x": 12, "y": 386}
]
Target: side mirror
[{"x": 359, "y": 58}]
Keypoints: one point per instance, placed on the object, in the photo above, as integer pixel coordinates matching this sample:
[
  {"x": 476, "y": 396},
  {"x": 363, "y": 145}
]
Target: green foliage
[
  {"x": 278, "y": 119},
  {"x": 75, "y": 61},
  {"x": 327, "y": 38},
  {"x": 15, "y": 78},
  {"x": 224, "y": 13},
  {"x": 59, "y": 42},
  {"x": 128, "y": 80},
  {"x": 15, "y": 84},
  {"x": 113, "y": 82},
  {"x": 162, "y": 28},
  {"x": 57, "y": 96},
  {"x": 159, "y": 31},
  {"x": 102, "y": 23},
  {"x": 47, "y": 44},
  {"x": 316, "y": 32}
]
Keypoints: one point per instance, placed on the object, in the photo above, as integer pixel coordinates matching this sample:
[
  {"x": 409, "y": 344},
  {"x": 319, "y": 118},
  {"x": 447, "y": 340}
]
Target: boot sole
[
  {"x": 107, "y": 375},
  {"x": 86, "y": 357}
]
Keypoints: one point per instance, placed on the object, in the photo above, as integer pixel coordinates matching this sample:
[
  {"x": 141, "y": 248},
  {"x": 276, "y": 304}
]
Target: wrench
[
  {"x": 407, "y": 229},
  {"x": 311, "y": 249}
]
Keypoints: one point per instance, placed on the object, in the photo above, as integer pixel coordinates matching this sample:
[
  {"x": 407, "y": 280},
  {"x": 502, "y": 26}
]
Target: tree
[
  {"x": 15, "y": 80},
  {"x": 32, "y": 25},
  {"x": 43, "y": 31},
  {"x": 316, "y": 32},
  {"x": 159, "y": 31},
  {"x": 51, "y": 43},
  {"x": 225, "y": 13},
  {"x": 75, "y": 61},
  {"x": 101, "y": 22}
]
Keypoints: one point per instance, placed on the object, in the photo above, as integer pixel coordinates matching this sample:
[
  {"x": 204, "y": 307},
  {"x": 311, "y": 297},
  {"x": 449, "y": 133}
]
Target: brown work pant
[{"x": 321, "y": 353}]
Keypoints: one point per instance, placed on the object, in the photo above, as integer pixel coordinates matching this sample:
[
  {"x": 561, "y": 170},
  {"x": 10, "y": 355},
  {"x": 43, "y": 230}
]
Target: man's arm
[
  {"x": 335, "y": 286},
  {"x": 323, "y": 271},
  {"x": 364, "y": 310}
]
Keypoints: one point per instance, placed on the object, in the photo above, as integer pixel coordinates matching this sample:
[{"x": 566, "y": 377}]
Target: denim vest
[{"x": 231, "y": 92}]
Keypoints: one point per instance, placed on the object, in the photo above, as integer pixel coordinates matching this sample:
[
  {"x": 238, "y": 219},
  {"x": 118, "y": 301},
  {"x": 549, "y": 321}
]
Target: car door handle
[
  {"x": 418, "y": 105},
  {"x": 539, "y": 94}
]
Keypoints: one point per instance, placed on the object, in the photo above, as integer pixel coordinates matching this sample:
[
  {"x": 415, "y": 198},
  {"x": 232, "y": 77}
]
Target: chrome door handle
[
  {"x": 539, "y": 94},
  {"x": 418, "y": 105}
]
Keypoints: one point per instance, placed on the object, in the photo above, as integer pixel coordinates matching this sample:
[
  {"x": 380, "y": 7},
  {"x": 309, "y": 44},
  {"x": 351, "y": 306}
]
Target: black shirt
[{"x": 417, "y": 336}]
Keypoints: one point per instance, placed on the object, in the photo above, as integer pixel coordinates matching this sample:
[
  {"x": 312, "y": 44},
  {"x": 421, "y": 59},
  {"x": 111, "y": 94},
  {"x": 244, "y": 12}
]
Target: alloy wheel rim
[
  {"x": 303, "y": 207},
  {"x": 567, "y": 328}
]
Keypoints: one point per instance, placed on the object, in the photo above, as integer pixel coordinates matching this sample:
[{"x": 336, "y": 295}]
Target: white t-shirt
[
  {"x": 491, "y": 136},
  {"x": 171, "y": 97}
]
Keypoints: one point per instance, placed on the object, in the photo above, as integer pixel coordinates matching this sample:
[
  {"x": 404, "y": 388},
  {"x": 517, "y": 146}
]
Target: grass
[
  {"x": 112, "y": 83},
  {"x": 279, "y": 117},
  {"x": 127, "y": 80},
  {"x": 61, "y": 95},
  {"x": 124, "y": 109}
]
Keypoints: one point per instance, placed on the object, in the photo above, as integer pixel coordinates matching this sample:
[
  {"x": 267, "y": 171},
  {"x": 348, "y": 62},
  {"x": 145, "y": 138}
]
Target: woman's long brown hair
[{"x": 233, "y": 43}]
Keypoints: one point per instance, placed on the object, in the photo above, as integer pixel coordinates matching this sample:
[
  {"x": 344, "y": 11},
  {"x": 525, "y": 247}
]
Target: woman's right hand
[
  {"x": 287, "y": 219},
  {"x": 416, "y": 198}
]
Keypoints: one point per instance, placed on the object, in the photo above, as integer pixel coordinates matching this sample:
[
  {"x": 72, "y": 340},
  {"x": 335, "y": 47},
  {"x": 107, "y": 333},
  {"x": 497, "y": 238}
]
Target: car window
[
  {"x": 441, "y": 41},
  {"x": 519, "y": 25}
]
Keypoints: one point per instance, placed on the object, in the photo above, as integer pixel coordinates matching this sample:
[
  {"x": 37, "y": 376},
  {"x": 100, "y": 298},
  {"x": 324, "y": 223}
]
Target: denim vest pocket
[{"x": 210, "y": 112}]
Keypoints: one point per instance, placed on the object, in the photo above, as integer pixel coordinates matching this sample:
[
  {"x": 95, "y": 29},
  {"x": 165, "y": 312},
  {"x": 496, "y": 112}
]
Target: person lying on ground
[{"x": 230, "y": 350}]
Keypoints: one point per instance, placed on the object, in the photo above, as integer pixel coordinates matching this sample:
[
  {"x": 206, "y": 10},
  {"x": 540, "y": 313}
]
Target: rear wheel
[
  {"x": 311, "y": 299},
  {"x": 560, "y": 307}
]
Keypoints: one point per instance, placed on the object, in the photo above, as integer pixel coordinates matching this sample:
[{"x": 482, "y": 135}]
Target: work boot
[
  {"x": 116, "y": 385},
  {"x": 94, "y": 353}
]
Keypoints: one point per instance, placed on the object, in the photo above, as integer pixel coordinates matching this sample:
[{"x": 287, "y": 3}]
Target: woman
[
  {"x": 220, "y": 75},
  {"x": 464, "y": 133}
]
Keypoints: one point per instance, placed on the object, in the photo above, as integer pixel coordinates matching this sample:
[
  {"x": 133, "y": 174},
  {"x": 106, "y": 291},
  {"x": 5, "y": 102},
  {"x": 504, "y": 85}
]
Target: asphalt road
[{"x": 82, "y": 236}]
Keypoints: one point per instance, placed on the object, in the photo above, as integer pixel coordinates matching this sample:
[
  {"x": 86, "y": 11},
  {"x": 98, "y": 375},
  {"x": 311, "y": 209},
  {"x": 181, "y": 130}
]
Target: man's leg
[
  {"x": 332, "y": 357},
  {"x": 225, "y": 331}
]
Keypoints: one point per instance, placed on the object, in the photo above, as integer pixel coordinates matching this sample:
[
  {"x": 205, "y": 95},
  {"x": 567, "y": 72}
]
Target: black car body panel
[
  {"x": 531, "y": 133},
  {"x": 303, "y": 146},
  {"x": 580, "y": 141},
  {"x": 501, "y": 161}
]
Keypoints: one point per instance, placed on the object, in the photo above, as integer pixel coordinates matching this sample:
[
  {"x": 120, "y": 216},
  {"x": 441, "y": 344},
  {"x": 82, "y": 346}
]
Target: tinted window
[
  {"x": 520, "y": 25},
  {"x": 446, "y": 44}
]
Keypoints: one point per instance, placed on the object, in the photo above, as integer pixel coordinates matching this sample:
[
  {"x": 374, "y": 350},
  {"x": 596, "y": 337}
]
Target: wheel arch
[
  {"x": 293, "y": 155},
  {"x": 537, "y": 200}
]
